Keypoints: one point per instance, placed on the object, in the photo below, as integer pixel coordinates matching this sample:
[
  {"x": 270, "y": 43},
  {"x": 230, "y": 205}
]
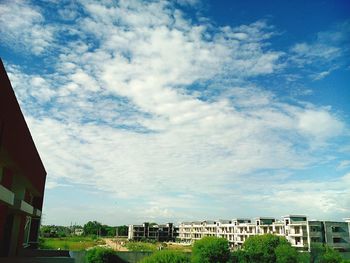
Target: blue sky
[{"x": 184, "y": 110}]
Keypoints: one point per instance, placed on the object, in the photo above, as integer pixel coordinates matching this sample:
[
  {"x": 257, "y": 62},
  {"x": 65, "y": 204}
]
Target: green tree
[
  {"x": 210, "y": 250},
  {"x": 285, "y": 253},
  {"x": 102, "y": 255},
  {"x": 261, "y": 248},
  {"x": 239, "y": 256},
  {"x": 330, "y": 256},
  {"x": 122, "y": 230},
  {"x": 92, "y": 228},
  {"x": 167, "y": 256},
  {"x": 324, "y": 254}
]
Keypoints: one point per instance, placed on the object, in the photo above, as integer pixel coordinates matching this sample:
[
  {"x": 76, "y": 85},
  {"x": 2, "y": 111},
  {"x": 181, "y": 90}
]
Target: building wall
[
  {"x": 22, "y": 176},
  {"x": 166, "y": 232}
]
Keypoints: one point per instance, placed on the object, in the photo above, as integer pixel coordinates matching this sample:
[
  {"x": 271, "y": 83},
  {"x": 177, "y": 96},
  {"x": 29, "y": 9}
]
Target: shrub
[
  {"x": 261, "y": 249},
  {"x": 325, "y": 254},
  {"x": 167, "y": 256},
  {"x": 331, "y": 256},
  {"x": 102, "y": 255},
  {"x": 285, "y": 253},
  {"x": 211, "y": 250},
  {"x": 239, "y": 256}
]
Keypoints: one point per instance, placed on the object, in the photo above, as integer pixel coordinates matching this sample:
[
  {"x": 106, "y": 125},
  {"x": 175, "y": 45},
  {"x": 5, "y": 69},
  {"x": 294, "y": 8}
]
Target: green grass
[
  {"x": 149, "y": 246},
  {"x": 141, "y": 246},
  {"x": 69, "y": 243}
]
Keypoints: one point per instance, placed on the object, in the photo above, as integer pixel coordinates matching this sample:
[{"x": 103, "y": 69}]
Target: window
[
  {"x": 336, "y": 229},
  {"x": 337, "y": 240},
  {"x": 316, "y": 239}
]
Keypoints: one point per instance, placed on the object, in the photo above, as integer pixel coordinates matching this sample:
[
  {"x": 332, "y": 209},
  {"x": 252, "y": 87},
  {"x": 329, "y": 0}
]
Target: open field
[
  {"x": 70, "y": 243},
  {"x": 147, "y": 246},
  {"x": 83, "y": 243}
]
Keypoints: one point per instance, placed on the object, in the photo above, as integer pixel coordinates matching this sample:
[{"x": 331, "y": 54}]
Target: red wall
[{"x": 16, "y": 139}]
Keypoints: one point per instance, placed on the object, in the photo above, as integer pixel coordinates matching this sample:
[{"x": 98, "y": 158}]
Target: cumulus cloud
[
  {"x": 23, "y": 27},
  {"x": 124, "y": 112}
]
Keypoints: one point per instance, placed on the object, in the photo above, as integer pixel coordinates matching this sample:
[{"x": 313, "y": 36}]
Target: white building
[{"x": 297, "y": 229}]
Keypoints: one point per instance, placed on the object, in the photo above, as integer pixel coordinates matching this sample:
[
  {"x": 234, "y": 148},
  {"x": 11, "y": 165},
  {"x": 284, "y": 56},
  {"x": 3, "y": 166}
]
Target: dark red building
[{"x": 22, "y": 176}]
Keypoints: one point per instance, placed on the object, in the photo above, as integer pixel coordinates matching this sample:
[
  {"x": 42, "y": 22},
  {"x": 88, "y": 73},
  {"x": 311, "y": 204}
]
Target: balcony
[
  {"x": 23, "y": 206},
  {"x": 6, "y": 196}
]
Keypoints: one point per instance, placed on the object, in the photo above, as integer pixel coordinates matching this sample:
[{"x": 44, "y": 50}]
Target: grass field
[
  {"x": 146, "y": 246},
  {"x": 70, "y": 243}
]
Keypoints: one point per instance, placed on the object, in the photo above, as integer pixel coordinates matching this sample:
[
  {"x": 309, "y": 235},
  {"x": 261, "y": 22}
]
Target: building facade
[
  {"x": 147, "y": 231},
  {"x": 22, "y": 176},
  {"x": 297, "y": 229}
]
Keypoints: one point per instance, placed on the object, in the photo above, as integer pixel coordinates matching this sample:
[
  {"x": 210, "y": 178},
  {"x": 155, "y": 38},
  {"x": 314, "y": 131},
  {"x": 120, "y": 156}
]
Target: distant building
[
  {"x": 165, "y": 232},
  {"x": 297, "y": 229},
  {"x": 22, "y": 176},
  {"x": 78, "y": 231}
]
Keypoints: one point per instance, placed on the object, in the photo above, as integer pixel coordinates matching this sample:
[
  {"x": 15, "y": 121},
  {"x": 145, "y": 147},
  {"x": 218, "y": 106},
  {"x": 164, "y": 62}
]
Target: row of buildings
[{"x": 298, "y": 230}]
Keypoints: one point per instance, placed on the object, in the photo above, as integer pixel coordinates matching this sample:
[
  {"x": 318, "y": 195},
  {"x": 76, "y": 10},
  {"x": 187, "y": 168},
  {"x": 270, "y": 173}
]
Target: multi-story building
[
  {"x": 166, "y": 232},
  {"x": 297, "y": 229},
  {"x": 22, "y": 177}
]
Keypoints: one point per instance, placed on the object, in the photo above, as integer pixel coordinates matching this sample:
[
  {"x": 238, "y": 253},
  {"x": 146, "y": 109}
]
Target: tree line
[{"x": 91, "y": 228}]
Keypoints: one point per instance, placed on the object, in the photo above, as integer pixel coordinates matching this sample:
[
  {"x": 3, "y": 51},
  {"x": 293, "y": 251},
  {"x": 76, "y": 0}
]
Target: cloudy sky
[{"x": 184, "y": 110}]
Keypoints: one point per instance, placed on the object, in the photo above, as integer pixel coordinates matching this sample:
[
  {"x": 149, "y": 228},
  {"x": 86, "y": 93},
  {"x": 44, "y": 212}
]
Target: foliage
[
  {"x": 167, "y": 256},
  {"x": 69, "y": 243},
  {"x": 262, "y": 248},
  {"x": 325, "y": 254},
  {"x": 239, "y": 256},
  {"x": 93, "y": 228},
  {"x": 210, "y": 250},
  {"x": 122, "y": 230},
  {"x": 54, "y": 231},
  {"x": 141, "y": 246},
  {"x": 286, "y": 254},
  {"x": 102, "y": 255}
]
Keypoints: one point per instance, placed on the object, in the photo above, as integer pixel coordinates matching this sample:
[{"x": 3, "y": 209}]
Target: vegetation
[
  {"x": 273, "y": 249},
  {"x": 142, "y": 246},
  {"x": 167, "y": 256},
  {"x": 102, "y": 255},
  {"x": 211, "y": 250},
  {"x": 96, "y": 228},
  {"x": 325, "y": 254},
  {"x": 69, "y": 243},
  {"x": 54, "y": 231},
  {"x": 263, "y": 248},
  {"x": 91, "y": 228}
]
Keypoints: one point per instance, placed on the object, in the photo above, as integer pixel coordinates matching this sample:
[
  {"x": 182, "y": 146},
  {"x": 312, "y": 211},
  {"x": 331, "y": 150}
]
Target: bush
[
  {"x": 325, "y": 254},
  {"x": 261, "y": 249},
  {"x": 167, "y": 256},
  {"x": 102, "y": 255},
  {"x": 211, "y": 250},
  {"x": 239, "y": 256},
  {"x": 286, "y": 254}
]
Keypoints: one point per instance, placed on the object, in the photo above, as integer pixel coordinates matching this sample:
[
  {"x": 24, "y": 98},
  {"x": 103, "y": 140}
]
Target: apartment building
[
  {"x": 297, "y": 229},
  {"x": 165, "y": 232}
]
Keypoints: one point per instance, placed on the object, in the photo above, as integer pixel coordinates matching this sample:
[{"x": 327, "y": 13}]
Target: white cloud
[
  {"x": 122, "y": 117},
  {"x": 325, "y": 53},
  {"x": 23, "y": 27},
  {"x": 343, "y": 164},
  {"x": 320, "y": 124}
]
